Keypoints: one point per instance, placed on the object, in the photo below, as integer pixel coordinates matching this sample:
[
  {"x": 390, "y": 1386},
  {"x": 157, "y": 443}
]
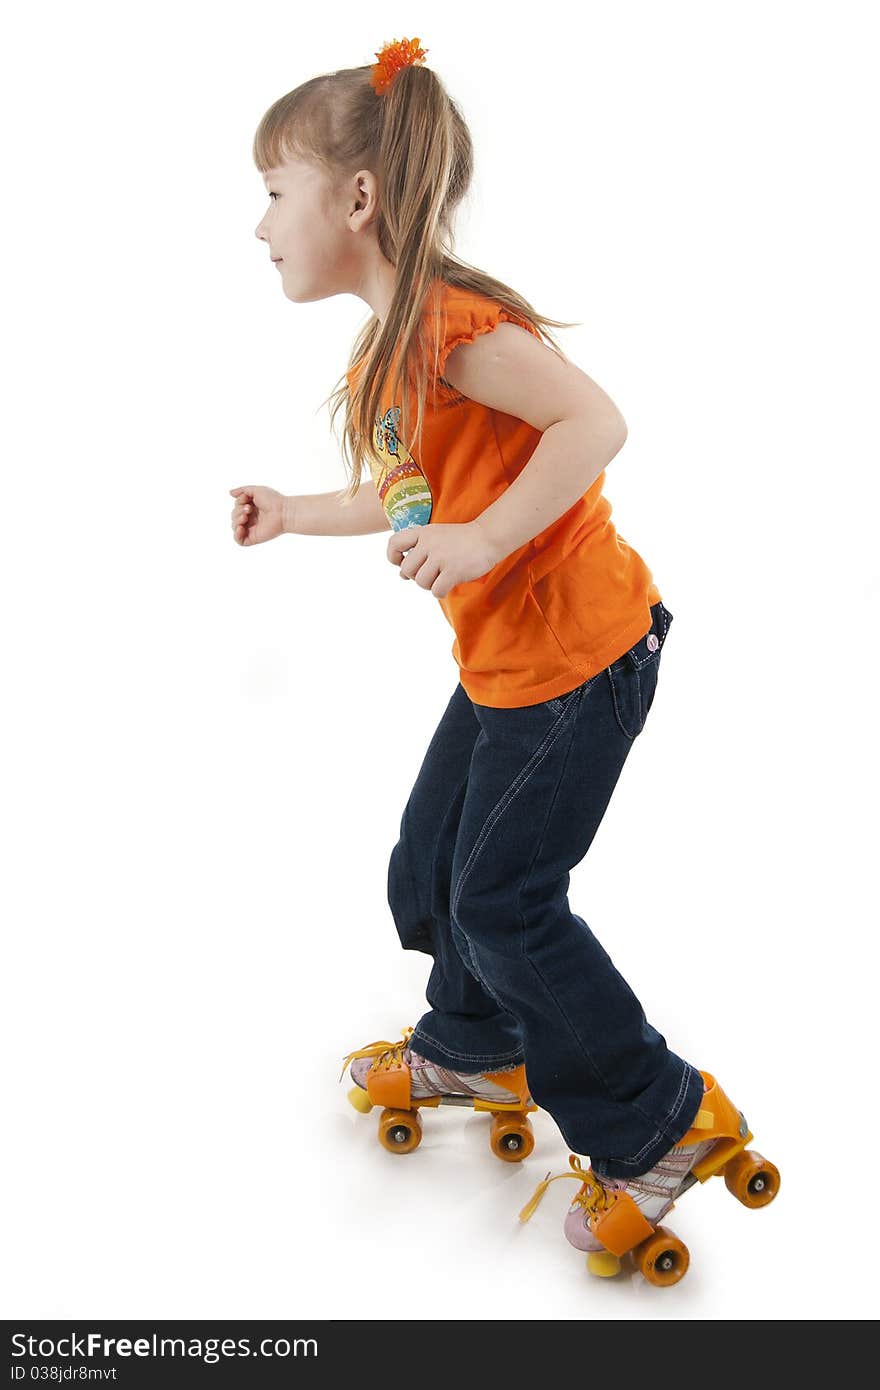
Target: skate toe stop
[
  {"x": 360, "y": 1100},
  {"x": 603, "y": 1263}
]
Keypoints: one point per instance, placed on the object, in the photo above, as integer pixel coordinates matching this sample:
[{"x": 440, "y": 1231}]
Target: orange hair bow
[{"x": 393, "y": 57}]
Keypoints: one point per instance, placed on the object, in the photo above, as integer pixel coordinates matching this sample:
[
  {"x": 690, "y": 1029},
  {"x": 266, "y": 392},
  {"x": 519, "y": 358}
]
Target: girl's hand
[
  {"x": 257, "y": 514},
  {"x": 441, "y": 555}
]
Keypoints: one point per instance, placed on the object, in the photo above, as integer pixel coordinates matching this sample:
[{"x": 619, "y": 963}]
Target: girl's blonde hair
[{"x": 414, "y": 140}]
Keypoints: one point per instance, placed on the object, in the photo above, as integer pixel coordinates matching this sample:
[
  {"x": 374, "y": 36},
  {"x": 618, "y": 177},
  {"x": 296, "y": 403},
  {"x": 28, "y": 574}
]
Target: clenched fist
[
  {"x": 442, "y": 554},
  {"x": 258, "y": 514}
]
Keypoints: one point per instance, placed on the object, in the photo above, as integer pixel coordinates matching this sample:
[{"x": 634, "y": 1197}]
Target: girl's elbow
[{"x": 617, "y": 437}]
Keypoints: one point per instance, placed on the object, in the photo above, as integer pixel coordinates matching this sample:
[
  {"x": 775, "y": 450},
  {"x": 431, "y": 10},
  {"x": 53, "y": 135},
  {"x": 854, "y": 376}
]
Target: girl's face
[{"x": 308, "y": 230}]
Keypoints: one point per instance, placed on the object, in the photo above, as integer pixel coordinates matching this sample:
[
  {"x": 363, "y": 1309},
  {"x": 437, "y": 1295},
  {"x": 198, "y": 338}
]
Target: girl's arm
[
  {"x": 324, "y": 514},
  {"x": 581, "y": 428}
]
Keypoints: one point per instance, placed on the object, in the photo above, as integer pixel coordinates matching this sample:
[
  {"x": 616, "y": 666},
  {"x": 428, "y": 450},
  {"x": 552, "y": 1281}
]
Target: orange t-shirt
[{"x": 563, "y": 605}]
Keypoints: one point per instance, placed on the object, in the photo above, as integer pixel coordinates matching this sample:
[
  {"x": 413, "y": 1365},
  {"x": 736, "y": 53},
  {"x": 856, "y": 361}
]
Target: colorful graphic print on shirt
[{"x": 402, "y": 486}]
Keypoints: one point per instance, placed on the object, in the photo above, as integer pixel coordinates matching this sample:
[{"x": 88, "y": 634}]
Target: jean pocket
[
  {"x": 633, "y": 676},
  {"x": 632, "y": 694}
]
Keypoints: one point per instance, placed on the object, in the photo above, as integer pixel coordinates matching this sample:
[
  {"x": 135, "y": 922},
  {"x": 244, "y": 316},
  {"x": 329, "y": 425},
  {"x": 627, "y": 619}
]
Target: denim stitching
[
  {"x": 478, "y": 974},
  {"x": 680, "y": 1098},
  {"x": 555, "y": 699},
  {"x": 667, "y": 1124},
  {"x": 574, "y": 1033},
  {"x": 577, "y": 1039},
  {"x": 471, "y": 962},
  {"x": 514, "y": 1057},
  {"x": 525, "y": 883},
  {"x": 482, "y": 979},
  {"x": 421, "y": 931},
  {"x": 677, "y": 1104},
  {"x": 558, "y": 702},
  {"x": 501, "y": 805},
  {"x": 617, "y": 714},
  {"x": 641, "y": 661},
  {"x": 637, "y": 1158},
  {"x": 437, "y": 847},
  {"x": 592, "y": 1064}
]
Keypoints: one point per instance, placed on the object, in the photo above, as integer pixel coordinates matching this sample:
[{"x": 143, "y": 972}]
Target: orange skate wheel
[
  {"x": 512, "y": 1137},
  {"x": 400, "y": 1131},
  {"x": 662, "y": 1258},
  {"x": 751, "y": 1178}
]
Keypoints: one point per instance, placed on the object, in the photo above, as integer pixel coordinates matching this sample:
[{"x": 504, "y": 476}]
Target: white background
[{"x": 208, "y": 748}]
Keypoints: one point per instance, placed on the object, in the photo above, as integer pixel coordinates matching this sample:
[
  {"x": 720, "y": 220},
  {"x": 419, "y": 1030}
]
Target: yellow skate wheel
[
  {"x": 662, "y": 1258},
  {"x": 512, "y": 1137},
  {"x": 400, "y": 1131},
  {"x": 751, "y": 1178},
  {"x": 360, "y": 1100},
  {"x": 603, "y": 1263}
]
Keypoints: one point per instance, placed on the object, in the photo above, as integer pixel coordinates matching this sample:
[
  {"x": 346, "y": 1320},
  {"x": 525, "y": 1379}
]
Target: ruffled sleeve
[{"x": 468, "y": 316}]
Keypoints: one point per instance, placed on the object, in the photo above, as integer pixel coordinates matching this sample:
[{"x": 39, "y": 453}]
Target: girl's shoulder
[
  {"x": 464, "y": 314},
  {"x": 460, "y": 314},
  {"x": 463, "y": 307}
]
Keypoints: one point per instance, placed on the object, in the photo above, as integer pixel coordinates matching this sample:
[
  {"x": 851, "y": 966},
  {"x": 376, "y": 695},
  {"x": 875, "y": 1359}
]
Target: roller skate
[
  {"x": 403, "y": 1082},
  {"x": 613, "y": 1218}
]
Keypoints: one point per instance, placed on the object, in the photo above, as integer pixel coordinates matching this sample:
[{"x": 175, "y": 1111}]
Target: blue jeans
[{"x": 506, "y": 802}]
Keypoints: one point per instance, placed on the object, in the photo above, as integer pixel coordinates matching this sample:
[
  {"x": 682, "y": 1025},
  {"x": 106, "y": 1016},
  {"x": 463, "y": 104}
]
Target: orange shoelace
[
  {"x": 593, "y": 1197},
  {"x": 387, "y": 1054}
]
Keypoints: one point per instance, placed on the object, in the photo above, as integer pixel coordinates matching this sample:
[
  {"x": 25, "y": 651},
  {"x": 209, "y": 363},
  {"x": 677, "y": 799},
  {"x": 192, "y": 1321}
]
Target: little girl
[{"x": 487, "y": 450}]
